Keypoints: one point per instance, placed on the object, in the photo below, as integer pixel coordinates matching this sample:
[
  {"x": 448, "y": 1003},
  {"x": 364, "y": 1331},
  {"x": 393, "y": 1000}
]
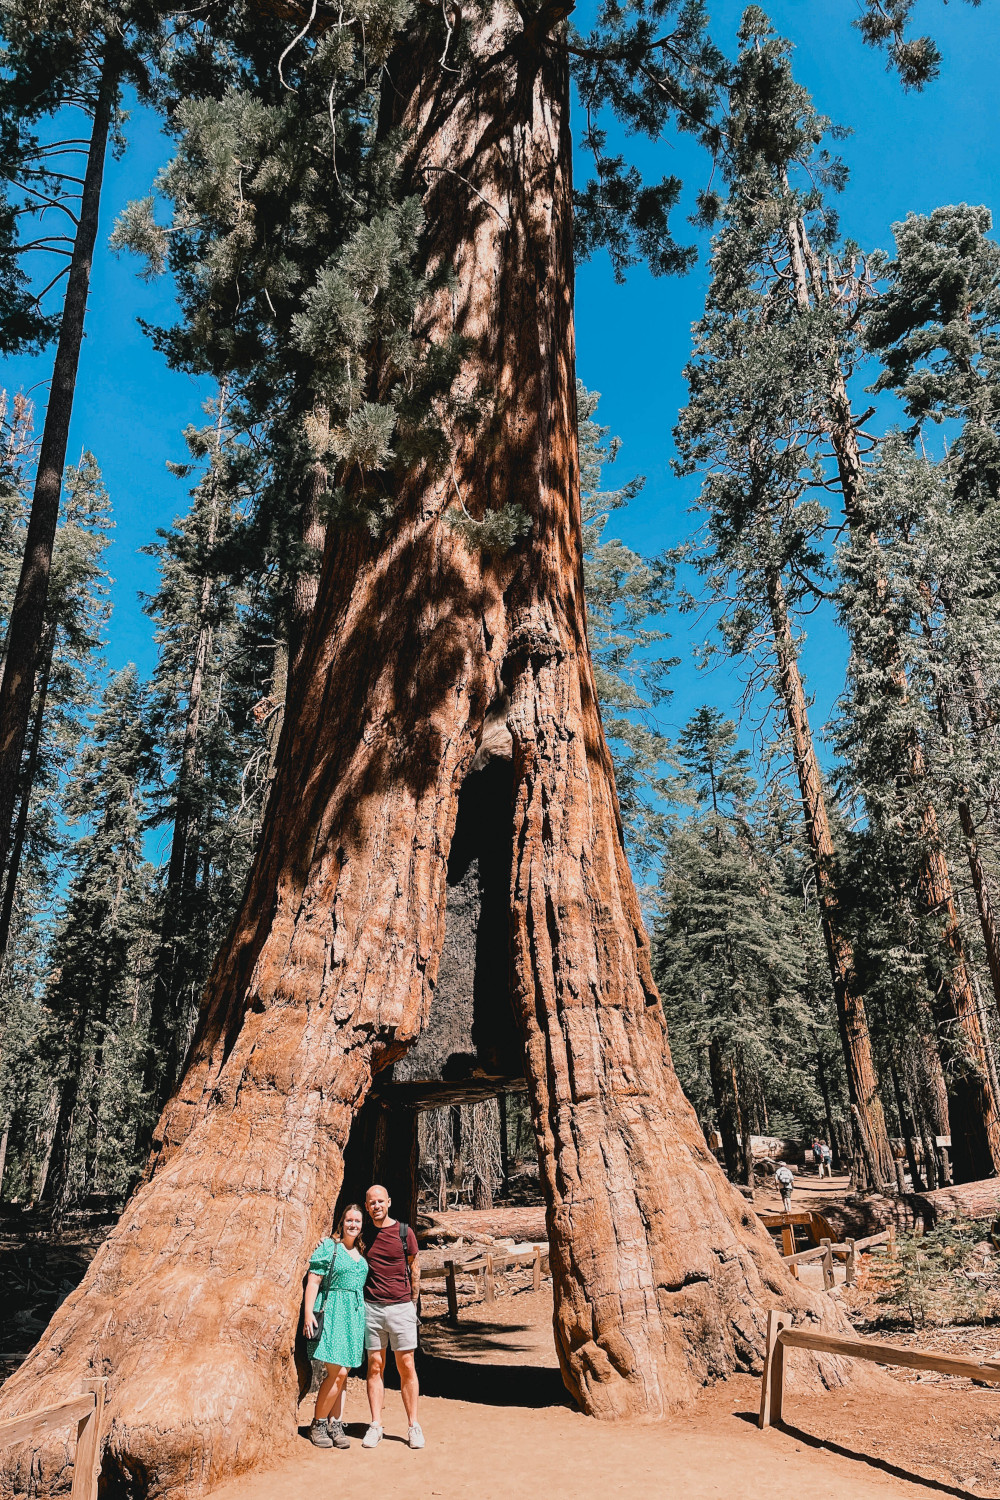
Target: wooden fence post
[
  {"x": 536, "y": 1270},
  {"x": 851, "y": 1262},
  {"x": 452, "y": 1286},
  {"x": 488, "y": 1288},
  {"x": 774, "y": 1371},
  {"x": 87, "y": 1464},
  {"x": 827, "y": 1265}
]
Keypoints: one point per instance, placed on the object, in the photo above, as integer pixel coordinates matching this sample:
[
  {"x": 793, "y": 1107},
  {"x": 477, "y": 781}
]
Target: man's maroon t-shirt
[{"x": 388, "y": 1280}]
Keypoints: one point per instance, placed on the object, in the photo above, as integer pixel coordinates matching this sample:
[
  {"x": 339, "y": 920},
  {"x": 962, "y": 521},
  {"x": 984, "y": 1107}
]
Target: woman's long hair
[{"x": 338, "y": 1228}]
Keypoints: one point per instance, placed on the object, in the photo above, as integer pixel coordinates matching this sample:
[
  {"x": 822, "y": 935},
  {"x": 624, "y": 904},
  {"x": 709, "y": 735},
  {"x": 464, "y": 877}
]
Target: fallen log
[
  {"x": 482, "y": 1226},
  {"x": 874, "y": 1212}
]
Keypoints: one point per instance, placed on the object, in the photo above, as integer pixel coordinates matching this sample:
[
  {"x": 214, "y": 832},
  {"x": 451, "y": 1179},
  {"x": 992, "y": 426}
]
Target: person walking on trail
[
  {"x": 391, "y": 1293},
  {"x": 334, "y": 1322},
  {"x": 786, "y": 1181},
  {"x": 825, "y": 1159}
]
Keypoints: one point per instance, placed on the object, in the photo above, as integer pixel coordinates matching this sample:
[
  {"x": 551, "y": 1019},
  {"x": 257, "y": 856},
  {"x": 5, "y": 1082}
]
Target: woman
[{"x": 334, "y": 1322}]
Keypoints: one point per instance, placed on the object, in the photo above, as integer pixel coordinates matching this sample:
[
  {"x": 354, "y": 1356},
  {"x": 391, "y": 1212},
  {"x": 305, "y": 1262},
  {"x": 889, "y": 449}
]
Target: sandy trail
[
  {"x": 496, "y": 1452},
  {"x": 498, "y": 1424}
]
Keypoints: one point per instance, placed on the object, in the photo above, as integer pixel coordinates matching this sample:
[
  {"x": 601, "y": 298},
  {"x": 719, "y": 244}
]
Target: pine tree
[
  {"x": 625, "y": 594},
  {"x": 57, "y": 57},
  {"x": 211, "y": 672},
  {"x": 728, "y": 953},
  {"x": 936, "y": 329},
  {"x": 76, "y": 615},
  {"x": 818, "y": 297},
  {"x": 884, "y": 23},
  {"x": 750, "y": 429},
  {"x": 100, "y": 955},
  {"x": 67, "y": 683}
]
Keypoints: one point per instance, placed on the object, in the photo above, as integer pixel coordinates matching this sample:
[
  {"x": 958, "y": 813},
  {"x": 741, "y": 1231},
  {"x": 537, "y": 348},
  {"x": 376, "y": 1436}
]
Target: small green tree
[{"x": 728, "y": 954}]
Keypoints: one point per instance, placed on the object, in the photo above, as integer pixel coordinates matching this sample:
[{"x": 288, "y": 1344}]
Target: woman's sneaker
[
  {"x": 337, "y": 1433},
  {"x": 415, "y": 1437},
  {"x": 372, "y": 1437},
  {"x": 319, "y": 1433}
]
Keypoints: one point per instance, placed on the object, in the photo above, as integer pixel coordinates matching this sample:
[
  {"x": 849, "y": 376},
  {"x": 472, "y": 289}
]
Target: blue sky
[{"x": 909, "y": 152}]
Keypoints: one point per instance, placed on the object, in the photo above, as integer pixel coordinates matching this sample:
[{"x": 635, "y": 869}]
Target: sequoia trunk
[{"x": 662, "y": 1275}]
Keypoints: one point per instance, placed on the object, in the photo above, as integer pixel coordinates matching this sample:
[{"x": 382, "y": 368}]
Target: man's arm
[{"x": 413, "y": 1261}]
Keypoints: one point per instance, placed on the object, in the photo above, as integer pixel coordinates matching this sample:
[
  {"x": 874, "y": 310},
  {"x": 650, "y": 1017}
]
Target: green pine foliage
[
  {"x": 736, "y": 951},
  {"x": 215, "y": 662},
  {"x": 69, "y": 680},
  {"x": 626, "y": 596},
  {"x": 95, "y": 997}
]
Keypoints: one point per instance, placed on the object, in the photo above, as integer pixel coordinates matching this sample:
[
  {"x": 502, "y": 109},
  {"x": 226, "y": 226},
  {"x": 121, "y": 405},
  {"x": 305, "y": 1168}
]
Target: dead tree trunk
[{"x": 662, "y": 1275}]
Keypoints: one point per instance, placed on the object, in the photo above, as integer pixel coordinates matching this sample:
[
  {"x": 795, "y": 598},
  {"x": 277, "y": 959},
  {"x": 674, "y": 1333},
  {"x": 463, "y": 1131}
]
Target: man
[
  {"x": 786, "y": 1181},
  {"x": 391, "y": 1293}
]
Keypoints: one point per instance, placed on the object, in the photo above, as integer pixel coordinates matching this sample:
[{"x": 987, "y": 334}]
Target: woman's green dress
[{"x": 342, "y": 1339}]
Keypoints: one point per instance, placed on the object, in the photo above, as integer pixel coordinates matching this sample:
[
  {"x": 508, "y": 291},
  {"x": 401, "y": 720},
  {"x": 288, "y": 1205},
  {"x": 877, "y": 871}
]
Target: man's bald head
[{"x": 377, "y": 1202}]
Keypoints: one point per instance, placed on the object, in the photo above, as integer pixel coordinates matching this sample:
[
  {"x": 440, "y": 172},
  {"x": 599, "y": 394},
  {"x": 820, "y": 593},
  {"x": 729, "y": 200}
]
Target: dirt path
[
  {"x": 498, "y": 1424},
  {"x": 494, "y": 1452}
]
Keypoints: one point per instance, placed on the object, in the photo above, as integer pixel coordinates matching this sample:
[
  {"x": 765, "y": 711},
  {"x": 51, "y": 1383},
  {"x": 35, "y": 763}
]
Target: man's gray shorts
[{"x": 392, "y": 1323}]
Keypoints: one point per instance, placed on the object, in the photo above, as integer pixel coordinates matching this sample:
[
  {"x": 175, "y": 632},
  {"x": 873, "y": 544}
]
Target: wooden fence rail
[
  {"x": 826, "y": 1252},
  {"x": 781, "y": 1336},
  {"x": 486, "y": 1268},
  {"x": 86, "y": 1411}
]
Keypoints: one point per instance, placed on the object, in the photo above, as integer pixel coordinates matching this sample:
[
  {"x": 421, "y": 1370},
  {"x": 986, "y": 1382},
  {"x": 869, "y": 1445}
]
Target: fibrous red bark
[{"x": 662, "y": 1274}]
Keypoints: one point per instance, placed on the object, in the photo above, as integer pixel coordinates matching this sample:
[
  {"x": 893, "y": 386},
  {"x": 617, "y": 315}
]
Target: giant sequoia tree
[{"x": 418, "y": 638}]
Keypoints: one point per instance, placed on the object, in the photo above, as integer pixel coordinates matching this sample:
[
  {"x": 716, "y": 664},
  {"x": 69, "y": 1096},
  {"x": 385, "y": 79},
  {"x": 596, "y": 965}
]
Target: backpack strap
[{"x": 404, "y": 1231}]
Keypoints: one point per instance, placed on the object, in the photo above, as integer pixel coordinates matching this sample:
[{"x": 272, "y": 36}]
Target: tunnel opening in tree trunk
[{"x": 471, "y": 1048}]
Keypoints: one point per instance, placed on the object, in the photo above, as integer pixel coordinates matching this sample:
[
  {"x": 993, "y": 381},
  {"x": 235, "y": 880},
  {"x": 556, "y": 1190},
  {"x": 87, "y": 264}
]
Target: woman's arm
[{"x": 309, "y": 1324}]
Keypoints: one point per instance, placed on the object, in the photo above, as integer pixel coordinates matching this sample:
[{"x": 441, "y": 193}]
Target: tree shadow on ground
[
  {"x": 492, "y": 1385},
  {"x": 896, "y": 1471}
]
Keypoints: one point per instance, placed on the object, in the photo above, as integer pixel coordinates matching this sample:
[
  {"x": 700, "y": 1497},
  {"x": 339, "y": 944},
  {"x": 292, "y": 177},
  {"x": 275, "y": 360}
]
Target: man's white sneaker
[
  {"x": 372, "y": 1437},
  {"x": 415, "y": 1437}
]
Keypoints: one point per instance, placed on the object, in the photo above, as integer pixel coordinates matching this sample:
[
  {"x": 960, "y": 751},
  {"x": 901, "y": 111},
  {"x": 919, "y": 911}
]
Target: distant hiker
[
  {"x": 391, "y": 1293},
  {"x": 334, "y": 1322},
  {"x": 786, "y": 1181},
  {"x": 825, "y": 1159}
]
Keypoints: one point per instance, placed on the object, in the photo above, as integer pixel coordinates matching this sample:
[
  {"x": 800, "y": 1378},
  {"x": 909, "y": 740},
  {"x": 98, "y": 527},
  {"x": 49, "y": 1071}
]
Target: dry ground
[{"x": 497, "y": 1424}]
